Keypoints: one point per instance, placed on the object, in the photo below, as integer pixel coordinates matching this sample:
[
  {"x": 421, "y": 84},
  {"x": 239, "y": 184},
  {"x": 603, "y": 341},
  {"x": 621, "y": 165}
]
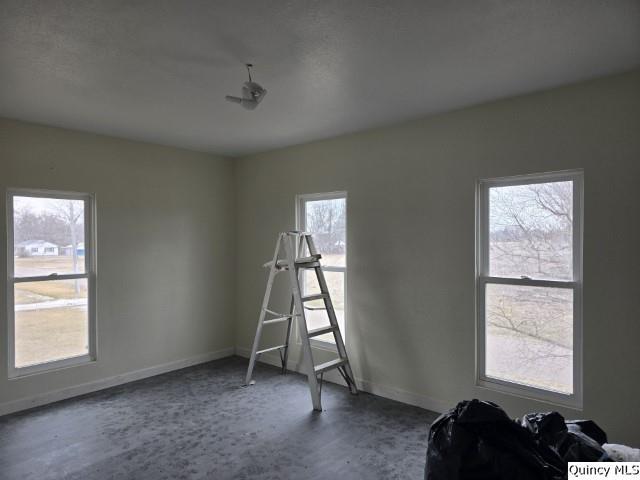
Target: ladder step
[
  {"x": 304, "y": 262},
  {"x": 308, "y": 265},
  {"x": 318, "y": 296},
  {"x": 316, "y": 332},
  {"x": 309, "y": 259},
  {"x": 308, "y": 262},
  {"x": 323, "y": 367},
  {"x": 276, "y": 320},
  {"x": 271, "y": 349},
  {"x": 277, "y": 314}
]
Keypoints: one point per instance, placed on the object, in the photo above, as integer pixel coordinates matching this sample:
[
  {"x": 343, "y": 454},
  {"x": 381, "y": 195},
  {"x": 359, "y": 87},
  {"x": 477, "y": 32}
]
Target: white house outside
[{"x": 35, "y": 248}]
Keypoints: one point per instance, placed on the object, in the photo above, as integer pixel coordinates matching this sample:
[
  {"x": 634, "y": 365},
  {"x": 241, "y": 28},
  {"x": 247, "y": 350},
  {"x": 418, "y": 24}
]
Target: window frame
[
  {"x": 301, "y": 212},
  {"x": 89, "y": 274},
  {"x": 482, "y": 278}
]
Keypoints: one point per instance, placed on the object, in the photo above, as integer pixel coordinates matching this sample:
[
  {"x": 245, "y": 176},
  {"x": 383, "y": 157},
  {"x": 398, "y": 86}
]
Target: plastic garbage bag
[
  {"x": 589, "y": 428},
  {"x": 478, "y": 441},
  {"x": 568, "y": 439}
]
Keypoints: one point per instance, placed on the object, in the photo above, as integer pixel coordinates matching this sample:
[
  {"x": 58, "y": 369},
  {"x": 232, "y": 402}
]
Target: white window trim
[
  {"x": 300, "y": 225},
  {"x": 89, "y": 274},
  {"x": 575, "y": 399}
]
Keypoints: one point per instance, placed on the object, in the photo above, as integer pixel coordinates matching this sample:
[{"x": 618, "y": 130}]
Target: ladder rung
[
  {"x": 319, "y": 296},
  {"x": 280, "y": 265},
  {"x": 320, "y": 331},
  {"x": 311, "y": 261},
  {"x": 277, "y": 314},
  {"x": 308, "y": 265},
  {"x": 323, "y": 367},
  {"x": 276, "y": 320},
  {"x": 271, "y": 349}
]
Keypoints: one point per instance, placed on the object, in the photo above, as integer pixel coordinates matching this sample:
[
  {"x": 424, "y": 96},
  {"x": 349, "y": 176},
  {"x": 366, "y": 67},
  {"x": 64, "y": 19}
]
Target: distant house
[
  {"x": 68, "y": 250},
  {"x": 36, "y": 248}
]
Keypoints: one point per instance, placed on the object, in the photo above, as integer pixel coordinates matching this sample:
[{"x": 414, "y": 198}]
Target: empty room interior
[{"x": 319, "y": 239}]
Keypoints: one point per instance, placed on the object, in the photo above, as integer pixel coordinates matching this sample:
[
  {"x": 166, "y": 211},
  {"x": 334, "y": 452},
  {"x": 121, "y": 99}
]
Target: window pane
[
  {"x": 51, "y": 321},
  {"x": 531, "y": 230},
  {"x": 48, "y": 236},
  {"x": 529, "y": 336},
  {"x": 326, "y": 219},
  {"x": 319, "y": 318}
]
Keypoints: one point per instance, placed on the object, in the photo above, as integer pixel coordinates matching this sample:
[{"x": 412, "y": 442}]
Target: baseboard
[
  {"x": 403, "y": 396},
  {"x": 84, "y": 388},
  {"x": 393, "y": 393}
]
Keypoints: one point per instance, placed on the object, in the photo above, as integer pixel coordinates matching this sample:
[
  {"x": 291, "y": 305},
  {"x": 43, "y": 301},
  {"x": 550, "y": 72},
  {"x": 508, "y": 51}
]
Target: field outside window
[
  {"x": 325, "y": 216},
  {"x": 52, "y": 278},
  {"x": 529, "y": 285}
]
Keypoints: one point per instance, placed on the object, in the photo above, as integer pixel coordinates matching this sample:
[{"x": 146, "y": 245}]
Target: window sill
[
  {"x": 572, "y": 401},
  {"x": 47, "y": 367}
]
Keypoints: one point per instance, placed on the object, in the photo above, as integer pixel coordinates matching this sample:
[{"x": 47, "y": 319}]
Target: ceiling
[{"x": 158, "y": 70}]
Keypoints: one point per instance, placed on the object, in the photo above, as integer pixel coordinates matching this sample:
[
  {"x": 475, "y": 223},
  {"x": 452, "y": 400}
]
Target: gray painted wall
[
  {"x": 410, "y": 188},
  {"x": 411, "y": 242},
  {"x": 165, "y": 221}
]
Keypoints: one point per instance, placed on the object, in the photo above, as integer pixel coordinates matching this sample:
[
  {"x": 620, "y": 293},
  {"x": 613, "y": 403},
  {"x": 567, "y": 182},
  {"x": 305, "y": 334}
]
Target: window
[
  {"x": 325, "y": 216},
  {"x": 529, "y": 281},
  {"x": 51, "y": 288}
]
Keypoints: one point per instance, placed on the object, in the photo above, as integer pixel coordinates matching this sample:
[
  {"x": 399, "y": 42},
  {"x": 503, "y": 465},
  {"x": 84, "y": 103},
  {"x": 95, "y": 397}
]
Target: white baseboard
[
  {"x": 368, "y": 386},
  {"x": 83, "y": 388},
  {"x": 403, "y": 396}
]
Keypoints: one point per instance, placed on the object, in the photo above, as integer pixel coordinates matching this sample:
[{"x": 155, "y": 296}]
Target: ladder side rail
[
  {"x": 300, "y": 251},
  {"x": 287, "y": 339},
  {"x": 337, "y": 335},
  {"x": 302, "y": 326},
  {"x": 292, "y": 306},
  {"x": 322, "y": 283},
  {"x": 263, "y": 311},
  {"x": 310, "y": 244}
]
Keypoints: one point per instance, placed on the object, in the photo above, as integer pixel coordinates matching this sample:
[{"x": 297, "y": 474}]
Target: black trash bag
[
  {"x": 568, "y": 439},
  {"x": 589, "y": 428},
  {"x": 478, "y": 441}
]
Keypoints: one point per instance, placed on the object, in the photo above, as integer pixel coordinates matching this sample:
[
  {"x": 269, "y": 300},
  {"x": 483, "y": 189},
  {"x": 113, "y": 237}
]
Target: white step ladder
[{"x": 293, "y": 265}]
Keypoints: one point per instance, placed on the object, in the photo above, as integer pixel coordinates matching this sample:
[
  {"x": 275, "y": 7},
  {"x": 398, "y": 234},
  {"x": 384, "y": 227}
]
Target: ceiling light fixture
[{"x": 252, "y": 93}]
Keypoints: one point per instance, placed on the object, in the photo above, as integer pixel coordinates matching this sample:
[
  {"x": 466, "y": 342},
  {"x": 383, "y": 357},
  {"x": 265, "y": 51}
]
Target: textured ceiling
[{"x": 159, "y": 70}]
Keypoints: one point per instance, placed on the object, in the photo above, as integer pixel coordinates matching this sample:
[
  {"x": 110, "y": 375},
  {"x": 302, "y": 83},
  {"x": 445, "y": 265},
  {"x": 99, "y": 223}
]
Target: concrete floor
[{"x": 198, "y": 423}]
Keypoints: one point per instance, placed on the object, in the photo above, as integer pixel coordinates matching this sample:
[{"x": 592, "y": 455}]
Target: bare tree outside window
[
  {"x": 71, "y": 212},
  {"x": 326, "y": 219},
  {"x": 529, "y": 308},
  {"x": 531, "y": 230},
  {"x": 58, "y": 223},
  {"x": 51, "y": 319},
  {"x": 325, "y": 216}
]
